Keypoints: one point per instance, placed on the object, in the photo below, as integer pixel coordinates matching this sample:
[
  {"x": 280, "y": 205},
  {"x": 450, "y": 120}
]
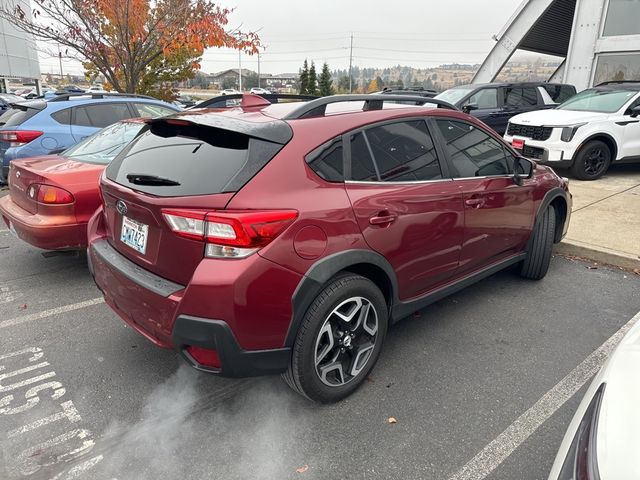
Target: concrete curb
[{"x": 598, "y": 254}]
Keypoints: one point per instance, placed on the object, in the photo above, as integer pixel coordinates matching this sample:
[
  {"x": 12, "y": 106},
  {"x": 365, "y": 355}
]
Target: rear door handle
[
  {"x": 382, "y": 219},
  {"x": 474, "y": 202}
]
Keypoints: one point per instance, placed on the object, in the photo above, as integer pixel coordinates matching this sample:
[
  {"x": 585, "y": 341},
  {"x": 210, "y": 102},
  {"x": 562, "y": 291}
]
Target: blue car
[{"x": 40, "y": 127}]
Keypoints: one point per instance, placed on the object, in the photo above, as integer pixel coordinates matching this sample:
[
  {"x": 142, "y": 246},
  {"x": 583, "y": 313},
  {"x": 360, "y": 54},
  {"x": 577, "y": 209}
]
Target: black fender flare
[
  {"x": 549, "y": 197},
  {"x": 322, "y": 271}
]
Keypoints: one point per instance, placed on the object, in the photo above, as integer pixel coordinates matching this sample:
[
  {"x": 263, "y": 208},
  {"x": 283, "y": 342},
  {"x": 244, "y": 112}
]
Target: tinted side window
[
  {"x": 473, "y": 153},
  {"x": 485, "y": 98},
  {"x": 101, "y": 115},
  {"x": 520, "y": 96},
  {"x": 62, "y": 116},
  {"x": 560, "y": 93},
  {"x": 362, "y": 168},
  {"x": 327, "y": 162},
  {"x": 81, "y": 117},
  {"x": 404, "y": 152}
]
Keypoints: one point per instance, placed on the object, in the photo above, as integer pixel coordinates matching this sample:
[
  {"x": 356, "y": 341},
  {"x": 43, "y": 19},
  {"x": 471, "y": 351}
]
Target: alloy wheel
[
  {"x": 594, "y": 162},
  {"x": 346, "y": 341}
]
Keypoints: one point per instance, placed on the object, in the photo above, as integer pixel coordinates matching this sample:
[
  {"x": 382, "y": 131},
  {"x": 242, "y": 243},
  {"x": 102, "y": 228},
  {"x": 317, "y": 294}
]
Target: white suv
[{"x": 588, "y": 132}]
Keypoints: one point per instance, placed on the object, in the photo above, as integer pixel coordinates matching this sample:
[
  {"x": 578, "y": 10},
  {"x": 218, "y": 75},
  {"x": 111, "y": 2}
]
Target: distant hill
[{"x": 442, "y": 77}]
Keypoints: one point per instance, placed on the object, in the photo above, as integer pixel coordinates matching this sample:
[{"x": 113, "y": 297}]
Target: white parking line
[
  {"x": 60, "y": 448},
  {"x": 496, "y": 452},
  {"x": 68, "y": 411},
  {"x": 49, "y": 313},
  {"x": 9, "y": 294}
]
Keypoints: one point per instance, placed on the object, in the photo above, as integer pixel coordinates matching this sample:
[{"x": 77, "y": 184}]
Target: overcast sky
[{"x": 418, "y": 33}]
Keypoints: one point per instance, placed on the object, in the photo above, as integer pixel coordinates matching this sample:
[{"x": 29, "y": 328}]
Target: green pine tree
[
  {"x": 304, "y": 78},
  {"x": 325, "y": 82},
  {"x": 312, "y": 86},
  {"x": 343, "y": 84}
]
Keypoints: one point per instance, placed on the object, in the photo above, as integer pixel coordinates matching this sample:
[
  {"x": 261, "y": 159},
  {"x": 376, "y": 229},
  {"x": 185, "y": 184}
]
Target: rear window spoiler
[
  {"x": 24, "y": 106},
  {"x": 275, "y": 131},
  {"x": 221, "y": 101}
]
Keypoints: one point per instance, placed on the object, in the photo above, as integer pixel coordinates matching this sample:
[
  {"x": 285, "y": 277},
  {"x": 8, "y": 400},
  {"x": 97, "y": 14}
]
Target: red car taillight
[
  {"x": 19, "y": 137},
  {"x": 233, "y": 234},
  {"x": 49, "y": 195}
]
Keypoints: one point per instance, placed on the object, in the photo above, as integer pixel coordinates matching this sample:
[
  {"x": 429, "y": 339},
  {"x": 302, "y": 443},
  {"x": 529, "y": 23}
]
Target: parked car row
[
  {"x": 40, "y": 127},
  {"x": 587, "y": 133},
  {"x": 287, "y": 238},
  {"x": 550, "y": 123},
  {"x": 496, "y": 103},
  {"x": 52, "y": 197}
]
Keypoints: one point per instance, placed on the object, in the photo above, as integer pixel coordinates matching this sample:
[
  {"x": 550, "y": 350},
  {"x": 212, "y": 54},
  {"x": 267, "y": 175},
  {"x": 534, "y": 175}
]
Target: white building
[
  {"x": 599, "y": 40},
  {"x": 18, "y": 54}
]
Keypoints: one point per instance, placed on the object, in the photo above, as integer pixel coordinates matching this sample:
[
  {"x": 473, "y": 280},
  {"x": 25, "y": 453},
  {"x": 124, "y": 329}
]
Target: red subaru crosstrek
[{"x": 286, "y": 238}]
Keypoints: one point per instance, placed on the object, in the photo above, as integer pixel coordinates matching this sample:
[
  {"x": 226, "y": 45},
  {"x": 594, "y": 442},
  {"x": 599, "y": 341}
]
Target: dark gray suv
[{"x": 496, "y": 103}]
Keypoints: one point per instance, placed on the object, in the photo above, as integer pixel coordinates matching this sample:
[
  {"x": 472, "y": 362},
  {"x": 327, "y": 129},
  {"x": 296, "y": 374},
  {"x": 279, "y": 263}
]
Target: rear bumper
[
  {"x": 126, "y": 289},
  {"x": 44, "y": 231},
  {"x": 234, "y": 361},
  {"x": 177, "y": 316}
]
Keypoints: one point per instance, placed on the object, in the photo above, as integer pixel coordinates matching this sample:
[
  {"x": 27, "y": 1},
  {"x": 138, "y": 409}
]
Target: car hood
[
  {"x": 618, "y": 446},
  {"x": 554, "y": 117}
]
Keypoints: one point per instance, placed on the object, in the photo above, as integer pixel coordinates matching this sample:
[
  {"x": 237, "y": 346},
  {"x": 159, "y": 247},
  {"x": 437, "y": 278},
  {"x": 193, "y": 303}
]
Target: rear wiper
[{"x": 142, "y": 179}]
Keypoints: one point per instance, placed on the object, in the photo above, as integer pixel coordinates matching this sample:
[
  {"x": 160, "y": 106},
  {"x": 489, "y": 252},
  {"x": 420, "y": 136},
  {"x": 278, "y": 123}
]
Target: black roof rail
[
  {"x": 421, "y": 93},
  {"x": 318, "y": 107},
  {"x": 221, "y": 100},
  {"x": 408, "y": 89},
  {"x": 66, "y": 96}
]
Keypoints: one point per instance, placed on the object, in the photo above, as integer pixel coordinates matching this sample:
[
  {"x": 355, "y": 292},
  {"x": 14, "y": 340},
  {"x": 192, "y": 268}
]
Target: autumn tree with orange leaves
[{"x": 140, "y": 46}]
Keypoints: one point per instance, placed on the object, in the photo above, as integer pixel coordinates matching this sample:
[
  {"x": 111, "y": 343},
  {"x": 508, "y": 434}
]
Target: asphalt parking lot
[{"x": 90, "y": 398}]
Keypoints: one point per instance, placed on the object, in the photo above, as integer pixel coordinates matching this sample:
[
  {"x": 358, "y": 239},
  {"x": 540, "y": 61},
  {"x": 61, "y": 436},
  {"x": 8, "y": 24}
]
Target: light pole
[
  {"x": 60, "y": 60},
  {"x": 350, "y": 62}
]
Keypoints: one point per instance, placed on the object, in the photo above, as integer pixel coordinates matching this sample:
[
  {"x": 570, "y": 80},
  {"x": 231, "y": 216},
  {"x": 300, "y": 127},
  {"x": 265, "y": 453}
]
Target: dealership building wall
[
  {"x": 18, "y": 54},
  {"x": 598, "y": 39}
]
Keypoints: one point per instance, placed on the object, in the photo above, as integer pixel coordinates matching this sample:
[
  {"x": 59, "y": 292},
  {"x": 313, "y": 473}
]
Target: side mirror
[
  {"x": 469, "y": 107},
  {"x": 523, "y": 168},
  {"x": 635, "y": 111}
]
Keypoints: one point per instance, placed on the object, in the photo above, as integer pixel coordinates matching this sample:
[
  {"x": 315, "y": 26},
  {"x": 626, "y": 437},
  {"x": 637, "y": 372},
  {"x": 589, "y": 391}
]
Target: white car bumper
[{"x": 552, "y": 151}]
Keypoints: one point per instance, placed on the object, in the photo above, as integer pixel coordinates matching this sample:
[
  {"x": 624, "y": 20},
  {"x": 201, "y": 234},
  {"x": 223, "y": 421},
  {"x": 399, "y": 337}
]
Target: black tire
[
  {"x": 536, "y": 265},
  {"x": 592, "y": 161},
  {"x": 303, "y": 374}
]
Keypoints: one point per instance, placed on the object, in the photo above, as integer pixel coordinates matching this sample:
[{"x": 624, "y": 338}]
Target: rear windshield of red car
[{"x": 186, "y": 160}]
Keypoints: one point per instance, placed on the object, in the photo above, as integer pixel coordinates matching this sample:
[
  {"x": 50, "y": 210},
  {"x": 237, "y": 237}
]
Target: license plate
[
  {"x": 134, "y": 234},
  {"x": 517, "y": 143}
]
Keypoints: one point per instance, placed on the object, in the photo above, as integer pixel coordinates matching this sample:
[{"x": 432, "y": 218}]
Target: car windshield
[
  {"x": 454, "y": 95},
  {"x": 598, "y": 100},
  {"x": 104, "y": 145}
]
